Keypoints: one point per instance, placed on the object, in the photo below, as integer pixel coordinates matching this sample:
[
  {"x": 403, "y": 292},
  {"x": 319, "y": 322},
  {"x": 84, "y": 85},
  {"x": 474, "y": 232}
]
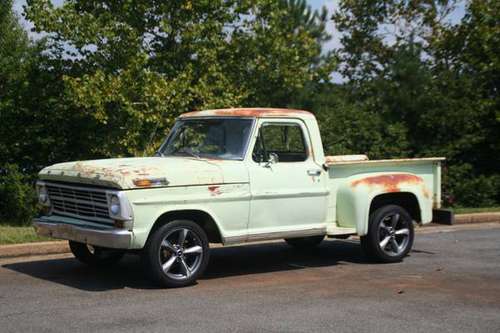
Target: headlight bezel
[
  {"x": 124, "y": 210},
  {"x": 42, "y": 194}
]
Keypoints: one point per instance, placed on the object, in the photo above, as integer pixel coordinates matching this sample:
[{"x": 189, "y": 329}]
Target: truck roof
[{"x": 249, "y": 112}]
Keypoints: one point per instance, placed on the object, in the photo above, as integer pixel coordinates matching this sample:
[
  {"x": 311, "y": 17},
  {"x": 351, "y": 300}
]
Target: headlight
[
  {"x": 114, "y": 206},
  {"x": 43, "y": 195},
  {"x": 118, "y": 206}
]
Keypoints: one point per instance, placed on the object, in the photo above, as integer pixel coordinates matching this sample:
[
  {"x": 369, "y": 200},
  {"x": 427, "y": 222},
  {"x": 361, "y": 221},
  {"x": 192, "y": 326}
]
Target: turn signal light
[{"x": 150, "y": 182}]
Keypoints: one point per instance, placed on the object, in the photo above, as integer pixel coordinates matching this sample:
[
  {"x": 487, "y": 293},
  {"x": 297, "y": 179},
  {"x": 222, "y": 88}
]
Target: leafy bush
[
  {"x": 17, "y": 196},
  {"x": 462, "y": 188}
]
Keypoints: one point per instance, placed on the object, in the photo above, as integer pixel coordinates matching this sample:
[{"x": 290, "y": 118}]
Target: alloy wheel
[
  {"x": 394, "y": 234},
  {"x": 181, "y": 253}
]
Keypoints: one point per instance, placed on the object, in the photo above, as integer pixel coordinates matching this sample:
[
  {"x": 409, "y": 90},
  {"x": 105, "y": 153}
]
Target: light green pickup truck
[{"x": 232, "y": 176}]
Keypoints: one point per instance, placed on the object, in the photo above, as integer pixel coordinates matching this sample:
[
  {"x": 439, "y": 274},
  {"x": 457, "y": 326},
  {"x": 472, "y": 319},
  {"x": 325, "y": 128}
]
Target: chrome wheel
[
  {"x": 181, "y": 253},
  {"x": 394, "y": 234}
]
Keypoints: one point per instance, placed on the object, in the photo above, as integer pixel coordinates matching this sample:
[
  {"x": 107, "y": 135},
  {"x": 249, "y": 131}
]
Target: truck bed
[{"x": 369, "y": 178}]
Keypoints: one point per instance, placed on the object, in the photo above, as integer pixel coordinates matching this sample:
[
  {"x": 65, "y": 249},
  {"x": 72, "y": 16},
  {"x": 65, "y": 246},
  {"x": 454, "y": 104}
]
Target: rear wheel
[
  {"x": 95, "y": 255},
  {"x": 177, "y": 253},
  {"x": 390, "y": 234},
  {"x": 305, "y": 242}
]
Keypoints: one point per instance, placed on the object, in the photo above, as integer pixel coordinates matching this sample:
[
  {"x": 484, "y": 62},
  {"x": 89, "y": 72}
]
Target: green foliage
[
  {"x": 348, "y": 127},
  {"x": 433, "y": 84},
  {"x": 17, "y": 196},
  {"x": 134, "y": 66},
  {"x": 110, "y": 77},
  {"x": 463, "y": 187}
]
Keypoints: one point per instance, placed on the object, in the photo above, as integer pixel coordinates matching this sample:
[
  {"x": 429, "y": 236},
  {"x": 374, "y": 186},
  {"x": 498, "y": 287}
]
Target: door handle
[{"x": 314, "y": 172}]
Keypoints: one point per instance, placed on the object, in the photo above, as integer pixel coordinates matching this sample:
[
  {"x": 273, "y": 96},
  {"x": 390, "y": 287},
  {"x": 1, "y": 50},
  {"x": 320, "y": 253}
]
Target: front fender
[
  {"x": 226, "y": 204},
  {"x": 356, "y": 194}
]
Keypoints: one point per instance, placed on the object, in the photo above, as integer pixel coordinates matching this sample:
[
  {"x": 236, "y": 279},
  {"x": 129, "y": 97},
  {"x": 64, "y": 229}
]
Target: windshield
[{"x": 213, "y": 138}]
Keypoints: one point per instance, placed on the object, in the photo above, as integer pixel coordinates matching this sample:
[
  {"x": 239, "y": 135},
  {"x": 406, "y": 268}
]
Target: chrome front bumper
[{"x": 112, "y": 238}]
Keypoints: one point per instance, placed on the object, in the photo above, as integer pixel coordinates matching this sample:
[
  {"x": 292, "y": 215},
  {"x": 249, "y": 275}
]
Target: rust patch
[
  {"x": 214, "y": 190},
  {"x": 144, "y": 171},
  {"x": 426, "y": 192},
  {"x": 390, "y": 183},
  {"x": 248, "y": 112},
  {"x": 88, "y": 171}
]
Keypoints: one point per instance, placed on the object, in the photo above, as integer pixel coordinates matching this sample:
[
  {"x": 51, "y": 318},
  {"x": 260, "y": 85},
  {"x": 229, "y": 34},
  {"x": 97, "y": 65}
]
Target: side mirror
[{"x": 273, "y": 158}]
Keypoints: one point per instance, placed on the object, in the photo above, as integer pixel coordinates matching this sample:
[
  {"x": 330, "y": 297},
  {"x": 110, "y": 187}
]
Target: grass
[
  {"x": 16, "y": 235},
  {"x": 466, "y": 210}
]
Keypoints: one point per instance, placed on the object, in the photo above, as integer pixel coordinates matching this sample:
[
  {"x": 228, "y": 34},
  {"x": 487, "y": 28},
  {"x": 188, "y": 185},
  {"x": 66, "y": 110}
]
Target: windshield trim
[{"x": 182, "y": 120}]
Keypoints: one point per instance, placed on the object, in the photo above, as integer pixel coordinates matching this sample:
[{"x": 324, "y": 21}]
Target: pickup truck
[{"x": 233, "y": 176}]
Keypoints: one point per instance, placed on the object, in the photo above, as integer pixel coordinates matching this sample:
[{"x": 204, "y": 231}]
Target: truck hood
[{"x": 122, "y": 172}]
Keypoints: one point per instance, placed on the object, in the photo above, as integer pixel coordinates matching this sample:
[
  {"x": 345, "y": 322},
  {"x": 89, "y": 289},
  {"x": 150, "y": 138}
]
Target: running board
[{"x": 334, "y": 230}]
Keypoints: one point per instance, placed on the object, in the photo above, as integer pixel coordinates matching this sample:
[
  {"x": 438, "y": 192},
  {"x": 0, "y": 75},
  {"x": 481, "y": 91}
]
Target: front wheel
[
  {"x": 177, "y": 253},
  {"x": 95, "y": 255},
  {"x": 390, "y": 234}
]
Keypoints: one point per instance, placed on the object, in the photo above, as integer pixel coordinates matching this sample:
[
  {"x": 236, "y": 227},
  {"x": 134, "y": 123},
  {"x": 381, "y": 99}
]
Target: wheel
[
  {"x": 177, "y": 253},
  {"x": 305, "y": 242},
  {"x": 94, "y": 255},
  {"x": 390, "y": 234}
]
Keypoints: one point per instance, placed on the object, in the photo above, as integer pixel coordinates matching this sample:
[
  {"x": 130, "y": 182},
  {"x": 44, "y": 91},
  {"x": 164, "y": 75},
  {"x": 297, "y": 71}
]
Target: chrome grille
[{"x": 81, "y": 202}]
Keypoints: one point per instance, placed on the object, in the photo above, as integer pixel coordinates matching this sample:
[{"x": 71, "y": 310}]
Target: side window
[{"x": 284, "y": 140}]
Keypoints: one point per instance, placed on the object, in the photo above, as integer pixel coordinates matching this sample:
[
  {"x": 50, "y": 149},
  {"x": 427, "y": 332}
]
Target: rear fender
[{"x": 356, "y": 193}]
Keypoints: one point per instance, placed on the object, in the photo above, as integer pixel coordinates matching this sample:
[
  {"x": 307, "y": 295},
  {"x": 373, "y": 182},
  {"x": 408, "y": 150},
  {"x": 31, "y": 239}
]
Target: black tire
[
  {"x": 94, "y": 255},
  {"x": 165, "y": 249},
  {"x": 390, "y": 234},
  {"x": 305, "y": 242}
]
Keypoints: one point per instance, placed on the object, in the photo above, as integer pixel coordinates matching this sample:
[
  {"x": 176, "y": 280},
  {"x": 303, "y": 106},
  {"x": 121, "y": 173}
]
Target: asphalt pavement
[{"x": 449, "y": 283}]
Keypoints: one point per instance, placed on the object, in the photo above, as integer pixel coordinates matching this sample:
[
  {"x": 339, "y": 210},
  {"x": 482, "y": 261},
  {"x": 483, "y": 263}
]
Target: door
[{"x": 288, "y": 188}]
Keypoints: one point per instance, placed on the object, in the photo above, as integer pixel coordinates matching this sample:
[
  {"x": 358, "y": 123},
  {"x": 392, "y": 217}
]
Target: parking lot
[{"x": 449, "y": 283}]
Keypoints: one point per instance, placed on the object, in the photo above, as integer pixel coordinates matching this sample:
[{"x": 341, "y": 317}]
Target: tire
[
  {"x": 94, "y": 255},
  {"x": 305, "y": 242},
  {"x": 176, "y": 254},
  {"x": 390, "y": 234}
]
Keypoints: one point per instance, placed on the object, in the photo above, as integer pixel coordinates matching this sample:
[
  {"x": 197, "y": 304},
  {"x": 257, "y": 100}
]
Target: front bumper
[{"x": 111, "y": 238}]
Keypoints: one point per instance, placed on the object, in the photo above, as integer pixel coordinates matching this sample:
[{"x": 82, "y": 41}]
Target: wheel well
[
  {"x": 203, "y": 219},
  {"x": 406, "y": 200}
]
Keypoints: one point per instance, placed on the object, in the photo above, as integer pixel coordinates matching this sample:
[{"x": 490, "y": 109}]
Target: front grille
[{"x": 79, "y": 201}]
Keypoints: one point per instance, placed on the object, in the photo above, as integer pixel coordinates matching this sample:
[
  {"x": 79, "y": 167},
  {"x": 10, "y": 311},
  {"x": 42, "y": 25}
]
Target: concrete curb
[
  {"x": 477, "y": 218},
  {"x": 56, "y": 247},
  {"x": 32, "y": 249}
]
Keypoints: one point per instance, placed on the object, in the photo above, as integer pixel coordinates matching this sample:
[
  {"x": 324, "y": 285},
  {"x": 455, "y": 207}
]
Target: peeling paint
[
  {"x": 248, "y": 112},
  {"x": 390, "y": 183},
  {"x": 426, "y": 192},
  {"x": 214, "y": 190}
]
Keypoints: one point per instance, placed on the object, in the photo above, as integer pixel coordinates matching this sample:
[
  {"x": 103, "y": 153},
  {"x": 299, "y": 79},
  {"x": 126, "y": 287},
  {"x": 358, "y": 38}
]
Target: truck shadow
[{"x": 224, "y": 262}]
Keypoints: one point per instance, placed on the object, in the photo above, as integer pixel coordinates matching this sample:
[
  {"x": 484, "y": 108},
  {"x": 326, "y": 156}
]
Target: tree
[
  {"x": 373, "y": 30},
  {"x": 134, "y": 66},
  {"x": 471, "y": 52},
  {"x": 433, "y": 82},
  {"x": 16, "y": 57}
]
